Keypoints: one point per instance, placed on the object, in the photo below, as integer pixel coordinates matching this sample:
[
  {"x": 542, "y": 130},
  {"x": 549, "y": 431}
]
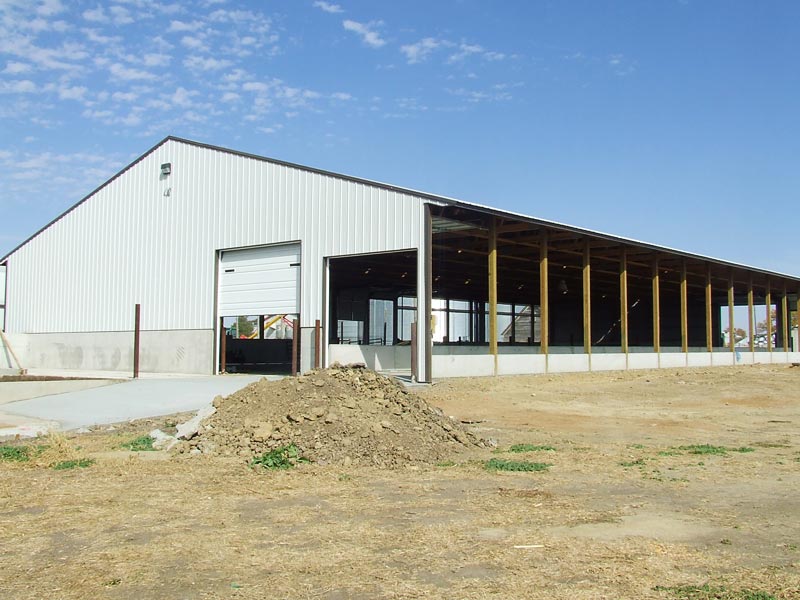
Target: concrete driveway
[{"x": 133, "y": 399}]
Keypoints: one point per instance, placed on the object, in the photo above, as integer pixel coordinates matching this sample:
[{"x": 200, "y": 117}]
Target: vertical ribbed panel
[{"x": 153, "y": 241}]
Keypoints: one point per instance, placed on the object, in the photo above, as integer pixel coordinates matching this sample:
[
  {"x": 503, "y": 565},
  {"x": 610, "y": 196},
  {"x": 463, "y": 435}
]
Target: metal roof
[{"x": 439, "y": 199}]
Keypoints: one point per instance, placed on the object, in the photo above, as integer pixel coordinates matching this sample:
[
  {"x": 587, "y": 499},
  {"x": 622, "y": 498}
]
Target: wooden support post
[
  {"x": 295, "y": 346},
  {"x": 623, "y": 300},
  {"x": 709, "y": 308},
  {"x": 751, "y": 315},
  {"x": 731, "y": 335},
  {"x": 492, "y": 253},
  {"x": 785, "y": 319},
  {"x": 656, "y": 309},
  {"x": 587, "y": 299},
  {"x": 137, "y": 314},
  {"x": 223, "y": 346},
  {"x": 544, "y": 297},
  {"x": 768, "y": 301},
  {"x": 318, "y": 342},
  {"x": 684, "y": 310},
  {"x": 414, "y": 351}
]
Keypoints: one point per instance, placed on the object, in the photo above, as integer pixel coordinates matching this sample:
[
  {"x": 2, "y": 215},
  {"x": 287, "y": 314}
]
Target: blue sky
[{"x": 675, "y": 122}]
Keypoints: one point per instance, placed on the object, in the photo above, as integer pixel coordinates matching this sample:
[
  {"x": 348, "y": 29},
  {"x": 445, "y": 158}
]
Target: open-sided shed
[{"x": 239, "y": 262}]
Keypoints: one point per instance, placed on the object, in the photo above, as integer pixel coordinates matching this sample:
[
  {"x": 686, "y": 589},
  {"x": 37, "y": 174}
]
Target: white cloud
[
  {"x": 183, "y": 97},
  {"x": 15, "y": 68},
  {"x": 328, "y": 7},
  {"x": 120, "y": 15},
  {"x": 367, "y": 32},
  {"x": 38, "y": 25},
  {"x": 48, "y": 8},
  {"x": 124, "y": 96},
  {"x": 256, "y": 86},
  {"x": 621, "y": 65},
  {"x": 198, "y": 63},
  {"x": 95, "y": 15},
  {"x": 72, "y": 93},
  {"x": 120, "y": 71},
  {"x": 466, "y": 50},
  {"x": 234, "y": 16},
  {"x": 235, "y": 76},
  {"x": 230, "y": 97},
  {"x": 48, "y": 58},
  {"x": 341, "y": 96},
  {"x": 154, "y": 59},
  {"x": 184, "y": 26},
  {"x": 416, "y": 53},
  {"x": 93, "y": 35},
  {"x": 493, "y": 55},
  {"x": 195, "y": 43},
  {"x": 20, "y": 86},
  {"x": 498, "y": 93}
]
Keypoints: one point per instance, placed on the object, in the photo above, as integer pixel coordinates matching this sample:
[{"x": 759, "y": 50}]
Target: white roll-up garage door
[{"x": 259, "y": 281}]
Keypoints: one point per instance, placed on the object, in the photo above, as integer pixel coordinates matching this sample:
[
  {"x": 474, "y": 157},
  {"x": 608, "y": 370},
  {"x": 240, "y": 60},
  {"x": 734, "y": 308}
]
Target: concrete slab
[
  {"x": 134, "y": 399},
  {"x": 14, "y": 391}
]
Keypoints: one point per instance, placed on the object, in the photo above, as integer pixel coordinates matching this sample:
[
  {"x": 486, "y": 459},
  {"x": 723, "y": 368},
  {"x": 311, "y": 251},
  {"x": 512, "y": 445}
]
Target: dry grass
[{"x": 153, "y": 526}]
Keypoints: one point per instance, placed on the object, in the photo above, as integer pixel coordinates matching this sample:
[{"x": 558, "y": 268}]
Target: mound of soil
[{"x": 341, "y": 415}]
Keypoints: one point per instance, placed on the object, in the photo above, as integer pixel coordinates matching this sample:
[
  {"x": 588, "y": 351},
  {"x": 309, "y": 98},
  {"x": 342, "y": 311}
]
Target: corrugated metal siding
[
  {"x": 2, "y": 296},
  {"x": 131, "y": 243}
]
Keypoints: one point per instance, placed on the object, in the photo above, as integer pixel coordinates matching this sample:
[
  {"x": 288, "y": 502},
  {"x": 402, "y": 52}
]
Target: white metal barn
[{"x": 243, "y": 263}]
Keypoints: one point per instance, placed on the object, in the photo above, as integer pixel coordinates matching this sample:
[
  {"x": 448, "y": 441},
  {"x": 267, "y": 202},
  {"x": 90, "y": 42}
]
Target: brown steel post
[
  {"x": 137, "y": 313},
  {"x": 295, "y": 345},
  {"x": 223, "y": 345},
  {"x": 709, "y": 300},
  {"x": 317, "y": 343},
  {"x": 414, "y": 350},
  {"x": 751, "y": 315}
]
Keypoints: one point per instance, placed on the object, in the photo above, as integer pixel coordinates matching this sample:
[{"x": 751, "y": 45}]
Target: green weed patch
[
  {"x": 284, "y": 457},
  {"x": 499, "y": 464}
]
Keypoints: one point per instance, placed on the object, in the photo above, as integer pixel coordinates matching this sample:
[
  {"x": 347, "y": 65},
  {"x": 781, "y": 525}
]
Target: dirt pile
[{"x": 340, "y": 415}]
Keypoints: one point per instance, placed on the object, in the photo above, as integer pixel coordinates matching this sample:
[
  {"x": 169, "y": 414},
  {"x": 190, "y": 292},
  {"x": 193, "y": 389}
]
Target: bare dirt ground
[{"x": 622, "y": 512}]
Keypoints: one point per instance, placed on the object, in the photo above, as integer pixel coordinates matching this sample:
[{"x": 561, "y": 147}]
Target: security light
[{"x": 166, "y": 169}]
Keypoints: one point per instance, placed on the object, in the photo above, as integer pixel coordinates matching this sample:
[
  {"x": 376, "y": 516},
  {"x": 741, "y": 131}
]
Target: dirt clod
[{"x": 346, "y": 415}]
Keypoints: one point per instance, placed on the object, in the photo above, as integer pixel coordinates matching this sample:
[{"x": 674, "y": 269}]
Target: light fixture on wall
[
  {"x": 166, "y": 169},
  {"x": 562, "y": 287}
]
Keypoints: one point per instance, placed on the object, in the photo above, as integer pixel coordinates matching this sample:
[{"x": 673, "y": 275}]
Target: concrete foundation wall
[
  {"x": 462, "y": 361},
  {"x": 608, "y": 362},
  {"x": 380, "y": 358},
  {"x": 178, "y": 351},
  {"x": 566, "y": 363},
  {"x": 521, "y": 364},
  {"x": 469, "y": 361}
]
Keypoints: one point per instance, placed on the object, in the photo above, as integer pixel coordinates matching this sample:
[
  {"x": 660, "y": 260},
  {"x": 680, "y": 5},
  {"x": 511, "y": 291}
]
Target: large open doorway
[
  {"x": 373, "y": 303},
  {"x": 258, "y": 300}
]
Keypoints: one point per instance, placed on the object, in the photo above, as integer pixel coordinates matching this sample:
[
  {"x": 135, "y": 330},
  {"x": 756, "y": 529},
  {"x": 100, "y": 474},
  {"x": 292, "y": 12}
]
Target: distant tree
[
  {"x": 245, "y": 326},
  {"x": 738, "y": 333}
]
